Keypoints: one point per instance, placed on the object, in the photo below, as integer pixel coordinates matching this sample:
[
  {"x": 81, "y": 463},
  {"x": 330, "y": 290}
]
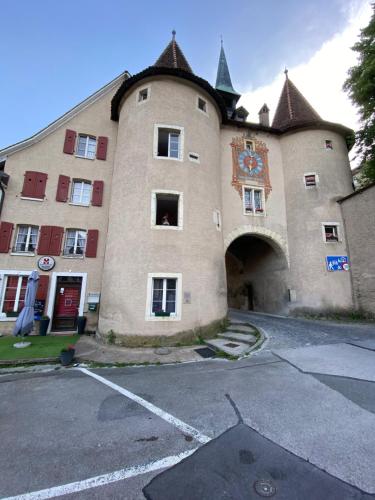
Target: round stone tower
[
  {"x": 164, "y": 269},
  {"x": 317, "y": 173}
]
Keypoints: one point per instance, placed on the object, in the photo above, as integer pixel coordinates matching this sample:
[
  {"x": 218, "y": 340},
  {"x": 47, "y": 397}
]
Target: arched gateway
[{"x": 257, "y": 270}]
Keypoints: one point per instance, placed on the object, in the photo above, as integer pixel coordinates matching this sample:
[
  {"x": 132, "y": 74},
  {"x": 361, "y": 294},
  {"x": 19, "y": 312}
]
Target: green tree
[{"x": 360, "y": 86}]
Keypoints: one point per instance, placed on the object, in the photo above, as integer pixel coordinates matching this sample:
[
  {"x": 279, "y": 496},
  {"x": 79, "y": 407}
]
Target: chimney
[{"x": 264, "y": 116}]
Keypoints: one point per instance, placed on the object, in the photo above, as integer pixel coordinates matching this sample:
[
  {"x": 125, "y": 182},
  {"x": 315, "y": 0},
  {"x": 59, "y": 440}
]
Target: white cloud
[{"x": 321, "y": 78}]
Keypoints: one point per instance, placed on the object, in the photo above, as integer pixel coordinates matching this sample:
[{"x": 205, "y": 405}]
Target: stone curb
[{"x": 28, "y": 361}]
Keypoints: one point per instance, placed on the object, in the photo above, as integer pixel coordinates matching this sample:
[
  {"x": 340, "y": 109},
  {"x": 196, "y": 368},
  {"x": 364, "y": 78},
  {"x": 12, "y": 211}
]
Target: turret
[{"x": 224, "y": 84}]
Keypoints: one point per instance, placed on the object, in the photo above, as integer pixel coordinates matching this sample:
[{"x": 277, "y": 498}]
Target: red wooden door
[{"x": 66, "y": 306}]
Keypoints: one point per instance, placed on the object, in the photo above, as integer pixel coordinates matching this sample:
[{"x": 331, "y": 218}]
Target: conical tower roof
[
  {"x": 173, "y": 57},
  {"x": 293, "y": 108},
  {"x": 223, "y": 80}
]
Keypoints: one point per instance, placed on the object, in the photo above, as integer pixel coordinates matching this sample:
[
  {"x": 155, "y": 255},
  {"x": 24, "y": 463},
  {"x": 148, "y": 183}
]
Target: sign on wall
[
  {"x": 337, "y": 263},
  {"x": 46, "y": 263}
]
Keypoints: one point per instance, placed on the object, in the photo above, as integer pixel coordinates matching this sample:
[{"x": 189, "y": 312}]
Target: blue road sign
[{"x": 337, "y": 263}]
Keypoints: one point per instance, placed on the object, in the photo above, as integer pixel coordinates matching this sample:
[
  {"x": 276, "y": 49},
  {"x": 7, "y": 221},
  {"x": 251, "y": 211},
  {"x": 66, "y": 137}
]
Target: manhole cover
[
  {"x": 264, "y": 488},
  {"x": 206, "y": 352},
  {"x": 231, "y": 345}
]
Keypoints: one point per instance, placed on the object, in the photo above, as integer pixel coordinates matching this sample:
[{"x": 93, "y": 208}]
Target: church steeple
[
  {"x": 224, "y": 84},
  {"x": 173, "y": 57},
  {"x": 293, "y": 108}
]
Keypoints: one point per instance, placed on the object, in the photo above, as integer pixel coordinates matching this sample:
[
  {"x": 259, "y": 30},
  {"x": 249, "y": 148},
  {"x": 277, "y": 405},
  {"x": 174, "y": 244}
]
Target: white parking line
[
  {"x": 104, "y": 479},
  {"x": 185, "y": 428}
]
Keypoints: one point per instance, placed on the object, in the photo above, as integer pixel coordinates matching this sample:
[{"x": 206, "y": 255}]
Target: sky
[{"x": 55, "y": 54}]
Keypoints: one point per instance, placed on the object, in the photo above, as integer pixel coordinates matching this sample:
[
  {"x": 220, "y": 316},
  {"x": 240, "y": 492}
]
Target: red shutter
[
  {"x": 40, "y": 185},
  {"x": 92, "y": 242},
  {"x": 57, "y": 234},
  {"x": 6, "y": 229},
  {"x": 34, "y": 184},
  {"x": 44, "y": 240},
  {"x": 101, "y": 150},
  {"x": 70, "y": 141},
  {"x": 63, "y": 188},
  {"x": 29, "y": 182},
  {"x": 41, "y": 293},
  {"x": 97, "y": 193}
]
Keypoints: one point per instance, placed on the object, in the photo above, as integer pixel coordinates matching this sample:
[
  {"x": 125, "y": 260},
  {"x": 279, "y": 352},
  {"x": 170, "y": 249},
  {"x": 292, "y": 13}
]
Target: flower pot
[
  {"x": 43, "y": 326},
  {"x": 66, "y": 357},
  {"x": 81, "y": 323}
]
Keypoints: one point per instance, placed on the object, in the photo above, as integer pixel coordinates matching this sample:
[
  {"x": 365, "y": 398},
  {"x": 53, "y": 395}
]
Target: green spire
[{"x": 223, "y": 81}]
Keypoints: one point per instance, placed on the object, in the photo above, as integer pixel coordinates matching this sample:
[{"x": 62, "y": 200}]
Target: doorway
[{"x": 67, "y": 303}]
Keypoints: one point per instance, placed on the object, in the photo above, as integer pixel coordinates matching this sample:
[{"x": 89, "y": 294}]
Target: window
[
  {"x": 86, "y": 147},
  {"x": 34, "y": 185},
  {"x": 249, "y": 145},
  {"x": 331, "y": 233},
  {"x": 81, "y": 192},
  {"x": 202, "y": 105},
  {"x": 143, "y": 95},
  {"x": 168, "y": 142},
  {"x": 14, "y": 294},
  {"x": 311, "y": 180},
  {"x": 328, "y": 144},
  {"x": 26, "y": 239},
  {"x": 163, "y": 297},
  {"x": 75, "y": 241},
  {"x": 253, "y": 201},
  {"x": 166, "y": 209}
]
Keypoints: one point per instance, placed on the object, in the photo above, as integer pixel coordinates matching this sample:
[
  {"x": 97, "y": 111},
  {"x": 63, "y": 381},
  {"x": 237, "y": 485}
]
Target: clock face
[{"x": 250, "y": 162}]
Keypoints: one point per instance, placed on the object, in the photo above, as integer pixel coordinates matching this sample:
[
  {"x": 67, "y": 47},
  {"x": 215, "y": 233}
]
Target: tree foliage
[{"x": 360, "y": 86}]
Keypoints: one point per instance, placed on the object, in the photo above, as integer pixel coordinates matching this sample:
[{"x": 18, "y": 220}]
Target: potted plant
[
  {"x": 81, "y": 323},
  {"x": 43, "y": 325},
  {"x": 67, "y": 355}
]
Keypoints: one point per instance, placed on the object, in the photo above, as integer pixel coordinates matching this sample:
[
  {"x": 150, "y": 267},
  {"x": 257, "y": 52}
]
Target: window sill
[
  {"x": 163, "y": 318},
  {"x": 78, "y": 204},
  {"x": 8, "y": 318},
  {"x": 168, "y": 228},
  {"x": 330, "y": 242},
  {"x": 255, "y": 214},
  {"x": 169, "y": 158},
  {"x": 31, "y": 199},
  {"x": 201, "y": 111},
  {"x": 84, "y": 157},
  {"x": 23, "y": 254},
  {"x": 73, "y": 256}
]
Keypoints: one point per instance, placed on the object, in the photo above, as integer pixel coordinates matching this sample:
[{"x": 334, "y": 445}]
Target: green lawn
[{"x": 41, "y": 347}]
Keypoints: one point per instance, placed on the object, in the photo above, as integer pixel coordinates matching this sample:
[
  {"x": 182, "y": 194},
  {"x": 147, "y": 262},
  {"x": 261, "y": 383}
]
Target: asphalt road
[{"x": 261, "y": 422}]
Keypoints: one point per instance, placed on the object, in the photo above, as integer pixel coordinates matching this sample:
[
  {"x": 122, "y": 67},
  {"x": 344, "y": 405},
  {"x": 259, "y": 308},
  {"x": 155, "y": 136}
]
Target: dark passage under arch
[{"x": 256, "y": 275}]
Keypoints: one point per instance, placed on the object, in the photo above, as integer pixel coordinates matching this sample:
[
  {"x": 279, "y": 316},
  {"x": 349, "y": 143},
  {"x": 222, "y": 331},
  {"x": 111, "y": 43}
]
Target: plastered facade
[{"x": 131, "y": 250}]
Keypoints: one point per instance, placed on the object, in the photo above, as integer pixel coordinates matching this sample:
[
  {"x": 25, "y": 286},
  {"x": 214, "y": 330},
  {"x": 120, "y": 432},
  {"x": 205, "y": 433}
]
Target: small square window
[
  {"x": 249, "y": 145},
  {"x": 328, "y": 144},
  {"x": 311, "y": 180},
  {"x": 253, "y": 201},
  {"x": 202, "y": 105},
  {"x": 331, "y": 233},
  {"x": 143, "y": 95},
  {"x": 75, "y": 243},
  {"x": 86, "y": 147},
  {"x": 169, "y": 143},
  {"x": 81, "y": 192},
  {"x": 26, "y": 239}
]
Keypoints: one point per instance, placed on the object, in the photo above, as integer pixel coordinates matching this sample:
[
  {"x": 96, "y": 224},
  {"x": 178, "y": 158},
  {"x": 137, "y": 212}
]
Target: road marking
[
  {"x": 185, "y": 428},
  {"x": 104, "y": 479}
]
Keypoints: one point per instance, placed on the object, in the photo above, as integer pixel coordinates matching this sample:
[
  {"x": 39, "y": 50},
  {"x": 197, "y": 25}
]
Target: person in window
[{"x": 165, "y": 220}]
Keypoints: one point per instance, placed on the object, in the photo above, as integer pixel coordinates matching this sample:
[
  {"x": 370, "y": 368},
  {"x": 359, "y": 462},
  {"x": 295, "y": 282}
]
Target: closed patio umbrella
[{"x": 25, "y": 320}]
